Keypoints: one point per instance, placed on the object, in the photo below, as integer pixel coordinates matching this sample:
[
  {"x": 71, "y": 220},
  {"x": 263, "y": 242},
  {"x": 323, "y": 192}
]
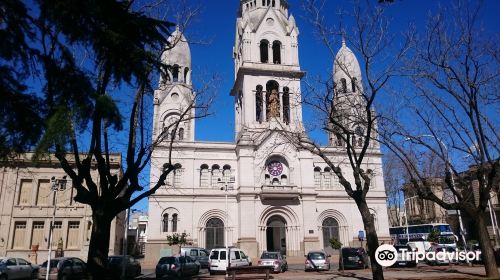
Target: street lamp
[
  {"x": 57, "y": 185},
  {"x": 125, "y": 241},
  {"x": 225, "y": 187},
  {"x": 406, "y": 217},
  {"x": 448, "y": 165}
]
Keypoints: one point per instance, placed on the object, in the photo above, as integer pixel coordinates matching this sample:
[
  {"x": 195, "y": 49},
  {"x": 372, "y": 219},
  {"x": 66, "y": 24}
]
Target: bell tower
[
  {"x": 175, "y": 92},
  {"x": 267, "y": 71}
]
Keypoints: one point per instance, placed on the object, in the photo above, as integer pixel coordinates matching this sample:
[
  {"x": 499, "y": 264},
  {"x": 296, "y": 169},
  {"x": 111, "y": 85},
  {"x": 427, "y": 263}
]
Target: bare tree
[
  {"x": 346, "y": 111},
  {"x": 454, "y": 115},
  {"x": 394, "y": 178}
]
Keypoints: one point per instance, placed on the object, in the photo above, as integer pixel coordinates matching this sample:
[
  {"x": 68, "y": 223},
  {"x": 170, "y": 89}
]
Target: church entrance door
[{"x": 276, "y": 234}]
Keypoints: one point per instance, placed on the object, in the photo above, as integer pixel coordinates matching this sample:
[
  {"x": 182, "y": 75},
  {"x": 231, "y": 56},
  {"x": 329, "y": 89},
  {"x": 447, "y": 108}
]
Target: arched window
[
  {"x": 343, "y": 84},
  {"x": 330, "y": 230},
  {"x": 267, "y": 179},
  {"x": 216, "y": 175},
  {"x": 327, "y": 178},
  {"x": 272, "y": 100},
  {"x": 284, "y": 180},
  {"x": 214, "y": 233},
  {"x": 353, "y": 84},
  {"x": 175, "y": 73},
  {"x": 181, "y": 133},
  {"x": 276, "y": 51},
  {"x": 174, "y": 223},
  {"x": 165, "y": 223},
  {"x": 186, "y": 73},
  {"x": 177, "y": 175},
  {"x": 263, "y": 2},
  {"x": 258, "y": 103},
  {"x": 264, "y": 51},
  {"x": 274, "y": 3},
  {"x": 204, "y": 176},
  {"x": 286, "y": 105},
  {"x": 226, "y": 173},
  {"x": 360, "y": 142},
  {"x": 276, "y": 181},
  {"x": 339, "y": 141},
  {"x": 317, "y": 177}
]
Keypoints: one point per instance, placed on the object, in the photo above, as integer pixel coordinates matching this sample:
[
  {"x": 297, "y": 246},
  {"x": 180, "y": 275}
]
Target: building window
[
  {"x": 174, "y": 223},
  {"x": 186, "y": 77},
  {"x": 19, "y": 235},
  {"x": 216, "y": 175},
  {"x": 338, "y": 140},
  {"x": 317, "y": 177},
  {"x": 286, "y": 105},
  {"x": 226, "y": 173},
  {"x": 354, "y": 84},
  {"x": 330, "y": 230},
  {"x": 178, "y": 175},
  {"x": 175, "y": 73},
  {"x": 44, "y": 193},
  {"x": 343, "y": 83},
  {"x": 25, "y": 192},
  {"x": 264, "y": 51},
  {"x": 73, "y": 234},
  {"x": 37, "y": 235},
  {"x": 204, "y": 176},
  {"x": 277, "y": 52},
  {"x": 327, "y": 178},
  {"x": 165, "y": 223},
  {"x": 57, "y": 233},
  {"x": 214, "y": 233},
  {"x": 258, "y": 103},
  {"x": 181, "y": 133}
]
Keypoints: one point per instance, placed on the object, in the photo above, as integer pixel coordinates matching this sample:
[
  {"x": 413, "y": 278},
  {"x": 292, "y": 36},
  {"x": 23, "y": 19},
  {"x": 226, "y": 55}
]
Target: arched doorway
[
  {"x": 214, "y": 233},
  {"x": 276, "y": 234},
  {"x": 330, "y": 230}
]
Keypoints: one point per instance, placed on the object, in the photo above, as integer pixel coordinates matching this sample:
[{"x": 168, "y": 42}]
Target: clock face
[{"x": 275, "y": 168}]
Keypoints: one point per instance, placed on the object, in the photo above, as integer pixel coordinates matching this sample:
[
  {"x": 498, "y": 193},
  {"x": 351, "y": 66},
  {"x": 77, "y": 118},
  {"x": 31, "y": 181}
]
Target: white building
[{"x": 278, "y": 197}]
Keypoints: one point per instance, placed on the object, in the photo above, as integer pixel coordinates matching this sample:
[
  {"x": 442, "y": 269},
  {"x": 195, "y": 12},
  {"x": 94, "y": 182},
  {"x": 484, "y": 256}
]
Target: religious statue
[{"x": 273, "y": 104}]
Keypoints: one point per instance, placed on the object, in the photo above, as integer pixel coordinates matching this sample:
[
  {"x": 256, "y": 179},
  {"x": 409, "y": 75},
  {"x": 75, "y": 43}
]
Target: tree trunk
[
  {"x": 99, "y": 244},
  {"x": 487, "y": 253},
  {"x": 371, "y": 238}
]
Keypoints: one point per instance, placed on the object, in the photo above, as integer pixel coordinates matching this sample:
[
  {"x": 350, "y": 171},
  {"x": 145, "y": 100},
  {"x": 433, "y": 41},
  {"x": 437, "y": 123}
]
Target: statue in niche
[{"x": 273, "y": 108}]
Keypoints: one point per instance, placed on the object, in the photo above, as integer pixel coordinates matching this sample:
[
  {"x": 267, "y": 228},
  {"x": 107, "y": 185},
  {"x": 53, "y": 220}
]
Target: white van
[{"x": 218, "y": 260}]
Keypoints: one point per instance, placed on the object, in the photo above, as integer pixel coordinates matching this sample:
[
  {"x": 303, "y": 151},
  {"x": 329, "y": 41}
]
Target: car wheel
[{"x": 34, "y": 275}]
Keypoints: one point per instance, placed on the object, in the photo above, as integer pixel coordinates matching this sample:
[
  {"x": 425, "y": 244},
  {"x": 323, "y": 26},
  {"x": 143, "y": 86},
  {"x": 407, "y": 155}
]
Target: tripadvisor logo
[{"x": 387, "y": 255}]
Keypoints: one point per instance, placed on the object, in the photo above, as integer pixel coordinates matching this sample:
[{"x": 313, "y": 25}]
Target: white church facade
[{"x": 256, "y": 193}]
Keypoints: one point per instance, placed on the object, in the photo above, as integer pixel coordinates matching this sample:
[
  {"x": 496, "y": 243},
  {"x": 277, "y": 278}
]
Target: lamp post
[
  {"x": 406, "y": 218},
  {"x": 225, "y": 187},
  {"x": 125, "y": 242},
  {"x": 448, "y": 166},
  {"x": 57, "y": 185}
]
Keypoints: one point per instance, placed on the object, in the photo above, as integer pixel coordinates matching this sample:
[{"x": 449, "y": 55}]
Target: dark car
[
  {"x": 354, "y": 258},
  {"x": 116, "y": 263},
  {"x": 16, "y": 268},
  {"x": 64, "y": 268},
  {"x": 274, "y": 259},
  {"x": 404, "y": 261},
  {"x": 177, "y": 266}
]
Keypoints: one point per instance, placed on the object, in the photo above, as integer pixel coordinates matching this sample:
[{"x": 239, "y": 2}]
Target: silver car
[
  {"x": 274, "y": 259},
  {"x": 16, "y": 268},
  {"x": 317, "y": 260}
]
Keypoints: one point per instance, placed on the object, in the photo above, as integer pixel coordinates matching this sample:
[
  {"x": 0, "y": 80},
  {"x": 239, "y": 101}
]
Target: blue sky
[{"x": 216, "y": 25}]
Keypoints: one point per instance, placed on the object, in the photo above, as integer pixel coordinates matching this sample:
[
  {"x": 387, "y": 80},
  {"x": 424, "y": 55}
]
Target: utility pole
[{"x": 57, "y": 185}]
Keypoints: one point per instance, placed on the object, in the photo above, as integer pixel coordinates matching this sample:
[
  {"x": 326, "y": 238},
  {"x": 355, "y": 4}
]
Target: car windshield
[
  {"x": 269, "y": 256},
  {"x": 115, "y": 260},
  {"x": 167, "y": 260},
  {"x": 350, "y": 251},
  {"x": 53, "y": 263},
  {"x": 316, "y": 256}
]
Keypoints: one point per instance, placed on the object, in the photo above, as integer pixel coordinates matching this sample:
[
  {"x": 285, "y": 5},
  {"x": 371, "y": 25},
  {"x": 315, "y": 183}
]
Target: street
[{"x": 422, "y": 271}]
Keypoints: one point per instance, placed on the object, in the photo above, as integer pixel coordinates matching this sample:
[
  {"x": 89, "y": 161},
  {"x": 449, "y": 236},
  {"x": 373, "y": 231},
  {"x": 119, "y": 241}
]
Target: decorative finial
[{"x": 343, "y": 41}]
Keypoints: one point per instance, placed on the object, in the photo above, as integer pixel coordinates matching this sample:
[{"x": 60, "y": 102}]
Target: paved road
[{"x": 296, "y": 272}]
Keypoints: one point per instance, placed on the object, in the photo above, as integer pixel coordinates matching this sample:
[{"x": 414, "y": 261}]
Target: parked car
[
  {"x": 116, "y": 263},
  {"x": 64, "y": 269},
  {"x": 199, "y": 254},
  {"x": 16, "y": 268},
  {"x": 436, "y": 249},
  {"x": 405, "y": 262},
  {"x": 317, "y": 260},
  {"x": 177, "y": 266},
  {"x": 218, "y": 260},
  {"x": 274, "y": 259},
  {"x": 353, "y": 258}
]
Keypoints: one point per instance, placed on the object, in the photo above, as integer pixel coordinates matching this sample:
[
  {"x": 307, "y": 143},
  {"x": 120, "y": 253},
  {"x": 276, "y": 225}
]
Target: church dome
[
  {"x": 345, "y": 61},
  {"x": 180, "y": 54}
]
